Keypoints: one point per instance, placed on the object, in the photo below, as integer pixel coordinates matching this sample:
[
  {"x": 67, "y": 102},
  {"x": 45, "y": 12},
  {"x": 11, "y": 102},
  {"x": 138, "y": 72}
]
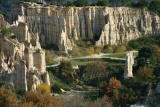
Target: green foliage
[
  {"x": 82, "y": 3},
  {"x": 56, "y": 88},
  {"x": 148, "y": 56},
  {"x": 155, "y": 6},
  {"x": 145, "y": 73},
  {"x": 141, "y": 3},
  {"x": 102, "y": 3},
  {"x": 7, "y": 85},
  {"x": 114, "y": 49},
  {"x": 94, "y": 73},
  {"x": 143, "y": 41},
  {"x": 50, "y": 55},
  {"x": 5, "y": 32},
  {"x": 66, "y": 72},
  {"x": 20, "y": 92}
]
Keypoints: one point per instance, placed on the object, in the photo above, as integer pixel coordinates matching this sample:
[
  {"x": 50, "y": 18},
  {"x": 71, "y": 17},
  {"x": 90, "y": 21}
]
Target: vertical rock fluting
[
  {"x": 22, "y": 61},
  {"x": 62, "y": 26}
]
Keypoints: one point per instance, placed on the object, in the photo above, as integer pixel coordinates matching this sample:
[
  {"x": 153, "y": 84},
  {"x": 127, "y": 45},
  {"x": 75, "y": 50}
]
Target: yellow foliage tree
[{"x": 44, "y": 88}]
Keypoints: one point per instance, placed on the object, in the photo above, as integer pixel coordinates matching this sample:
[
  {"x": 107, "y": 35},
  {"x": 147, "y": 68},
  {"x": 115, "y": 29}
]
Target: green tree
[
  {"x": 145, "y": 73},
  {"x": 155, "y": 6},
  {"x": 102, "y": 3},
  {"x": 94, "y": 73},
  {"x": 66, "y": 71},
  {"x": 144, "y": 56},
  {"x": 82, "y": 3}
]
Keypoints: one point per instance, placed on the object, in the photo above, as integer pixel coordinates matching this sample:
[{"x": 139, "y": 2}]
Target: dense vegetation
[{"x": 108, "y": 77}]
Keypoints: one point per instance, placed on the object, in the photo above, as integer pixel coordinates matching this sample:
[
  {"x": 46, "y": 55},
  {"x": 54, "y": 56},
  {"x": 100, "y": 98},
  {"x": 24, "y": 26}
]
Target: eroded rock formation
[
  {"x": 22, "y": 61},
  {"x": 129, "y": 64},
  {"x": 63, "y": 26}
]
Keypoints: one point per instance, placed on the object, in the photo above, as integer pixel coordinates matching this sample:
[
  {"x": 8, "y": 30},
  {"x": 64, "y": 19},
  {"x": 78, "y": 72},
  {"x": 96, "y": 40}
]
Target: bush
[
  {"x": 44, "y": 88},
  {"x": 41, "y": 100},
  {"x": 143, "y": 41},
  {"x": 94, "y": 73},
  {"x": 7, "y": 98},
  {"x": 142, "y": 3},
  {"x": 66, "y": 72},
  {"x": 114, "y": 49},
  {"x": 82, "y": 3},
  {"x": 56, "y": 88},
  {"x": 145, "y": 73},
  {"x": 102, "y": 3},
  {"x": 5, "y": 32},
  {"x": 155, "y": 6},
  {"x": 50, "y": 55}
]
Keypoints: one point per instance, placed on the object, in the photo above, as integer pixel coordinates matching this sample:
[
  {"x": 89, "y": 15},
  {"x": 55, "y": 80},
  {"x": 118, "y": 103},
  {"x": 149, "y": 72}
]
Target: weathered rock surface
[
  {"x": 22, "y": 61},
  {"x": 63, "y": 26},
  {"x": 2, "y": 22},
  {"x": 129, "y": 64}
]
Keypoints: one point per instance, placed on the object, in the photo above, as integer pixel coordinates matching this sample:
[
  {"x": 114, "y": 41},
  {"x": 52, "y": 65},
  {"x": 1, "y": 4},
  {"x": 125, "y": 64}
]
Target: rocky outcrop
[
  {"x": 129, "y": 64},
  {"x": 22, "y": 61},
  {"x": 63, "y": 26}
]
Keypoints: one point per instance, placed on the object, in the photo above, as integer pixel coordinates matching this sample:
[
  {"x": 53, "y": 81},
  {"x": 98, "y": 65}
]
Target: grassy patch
[{"x": 117, "y": 55}]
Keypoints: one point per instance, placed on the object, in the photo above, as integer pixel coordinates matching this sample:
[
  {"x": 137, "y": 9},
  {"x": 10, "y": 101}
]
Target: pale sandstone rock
[
  {"x": 129, "y": 64},
  {"x": 61, "y": 26},
  {"x": 22, "y": 61}
]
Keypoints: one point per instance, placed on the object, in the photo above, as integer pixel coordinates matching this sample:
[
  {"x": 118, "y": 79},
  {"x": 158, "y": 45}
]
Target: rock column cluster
[{"x": 22, "y": 61}]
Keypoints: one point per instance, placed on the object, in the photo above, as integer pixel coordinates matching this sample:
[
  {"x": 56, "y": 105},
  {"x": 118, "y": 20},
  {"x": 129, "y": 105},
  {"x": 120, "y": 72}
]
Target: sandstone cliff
[
  {"x": 22, "y": 61},
  {"x": 63, "y": 26}
]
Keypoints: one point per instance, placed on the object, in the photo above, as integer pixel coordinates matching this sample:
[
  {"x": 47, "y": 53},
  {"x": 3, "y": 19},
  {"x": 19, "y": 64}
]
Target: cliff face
[
  {"x": 63, "y": 26},
  {"x": 22, "y": 61}
]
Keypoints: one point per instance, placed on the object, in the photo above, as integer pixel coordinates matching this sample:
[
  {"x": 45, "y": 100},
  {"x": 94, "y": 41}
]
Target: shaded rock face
[
  {"x": 22, "y": 61},
  {"x": 2, "y": 22},
  {"x": 62, "y": 26}
]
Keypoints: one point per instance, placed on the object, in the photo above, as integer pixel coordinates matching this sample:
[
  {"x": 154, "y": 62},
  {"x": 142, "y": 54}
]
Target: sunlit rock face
[
  {"x": 128, "y": 73},
  {"x": 63, "y": 26},
  {"x": 22, "y": 61}
]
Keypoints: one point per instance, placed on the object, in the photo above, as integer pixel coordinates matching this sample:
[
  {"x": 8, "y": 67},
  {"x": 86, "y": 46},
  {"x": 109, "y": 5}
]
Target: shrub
[
  {"x": 113, "y": 84},
  {"x": 120, "y": 49},
  {"x": 145, "y": 73},
  {"x": 7, "y": 98},
  {"x": 102, "y": 3},
  {"x": 44, "y": 88},
  {"x": 50, "y": 55},
  {"x": 41, "y": 100},
  {"x": 142, "y": 3},
  {"x": 93, "y": 73},
  {"x": 66, "y": 72},
  {"x": 155, "y": 6},
  {"x": 56, "y": 88},
  {"x": 5, "y": 32}
]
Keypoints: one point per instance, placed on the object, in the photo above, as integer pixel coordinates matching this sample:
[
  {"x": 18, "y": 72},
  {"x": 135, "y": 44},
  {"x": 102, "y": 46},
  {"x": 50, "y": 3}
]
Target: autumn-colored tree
[
  {"x": 41, "y": 100},
  {"x": 7, "y": 98},
  {"x": 44, "y": 88},
  {"x": 114, "y": 84}
]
